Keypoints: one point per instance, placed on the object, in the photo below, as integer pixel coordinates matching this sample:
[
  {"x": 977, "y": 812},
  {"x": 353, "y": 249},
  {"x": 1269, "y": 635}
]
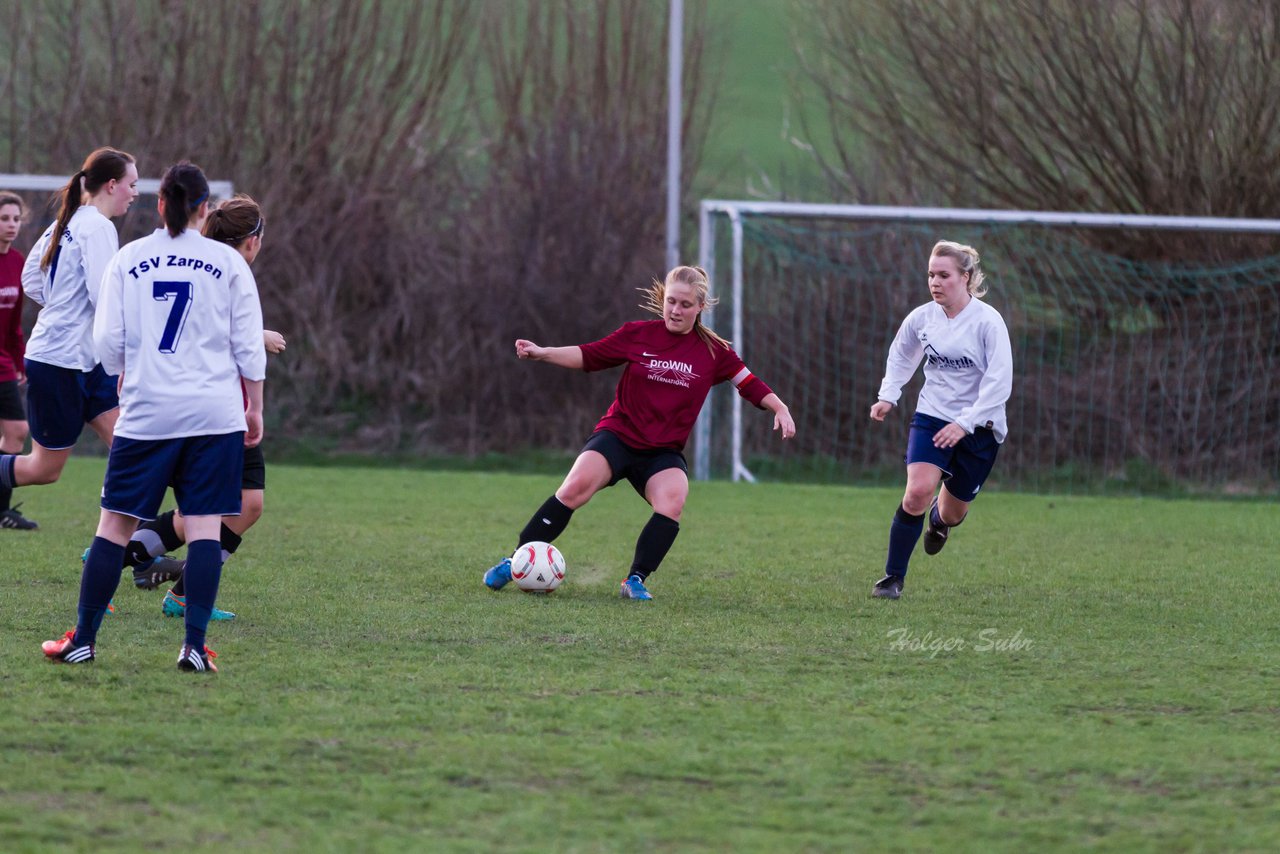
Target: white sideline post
[
  {"x": 736, "y": 210},
  {"x": 675, "y": 75}
]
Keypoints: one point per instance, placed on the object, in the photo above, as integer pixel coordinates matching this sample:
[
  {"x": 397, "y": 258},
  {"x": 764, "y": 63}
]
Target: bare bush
[
  {"x": 437, "y": 177},
  {"x": 1133, "y": 106}
]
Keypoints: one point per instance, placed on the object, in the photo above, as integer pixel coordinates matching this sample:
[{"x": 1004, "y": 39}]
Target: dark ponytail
[
  {"x": 100, "y": 167},
  {"x": 234, "y": 221},
  {"x": 183, "y": 188}
]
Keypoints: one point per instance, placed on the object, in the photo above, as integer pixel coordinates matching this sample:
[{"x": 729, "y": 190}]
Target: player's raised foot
[
  {"x": 497, "y": 576},
  {"x": 158, "y": 571},
  {"x": 176, "y": 606},
  {"x": 15, "y": 521},
  {"x": 633, "y": 588},
  {"x": 889, "y": 587},
  {"x": 65, "y": 650},
  {"x": 192, "y": 660},
  {"x": 935, "y": 535}
]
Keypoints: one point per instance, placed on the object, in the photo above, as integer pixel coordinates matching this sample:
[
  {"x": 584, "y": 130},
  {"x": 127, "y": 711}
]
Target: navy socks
[
  {"x": 201, "y": 576},
  {"x": 98, "y": 584},
  {"x": 903, "y": 535}
]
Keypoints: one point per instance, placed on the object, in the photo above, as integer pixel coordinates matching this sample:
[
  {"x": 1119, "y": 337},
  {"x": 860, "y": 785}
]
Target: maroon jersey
[
  {"x": 12, "y": 345},
  {"x": 666, "y": 379}
]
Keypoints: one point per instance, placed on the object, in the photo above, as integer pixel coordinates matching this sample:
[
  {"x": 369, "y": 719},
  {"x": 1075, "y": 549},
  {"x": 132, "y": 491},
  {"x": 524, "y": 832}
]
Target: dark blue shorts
[
  {"x": 204, "y": 472},
  {"x": 60, "y": 401},
  {"x": 635, "y": 465},
  {"x": 964, "y": 467}
]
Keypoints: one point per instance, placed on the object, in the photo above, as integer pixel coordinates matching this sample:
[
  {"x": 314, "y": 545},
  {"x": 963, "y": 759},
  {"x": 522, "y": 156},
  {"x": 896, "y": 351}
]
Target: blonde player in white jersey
[
  {"x": 66, "y": 387},
  {"x": 959, "y": 423},
  {"x": 179, "y": 319}
]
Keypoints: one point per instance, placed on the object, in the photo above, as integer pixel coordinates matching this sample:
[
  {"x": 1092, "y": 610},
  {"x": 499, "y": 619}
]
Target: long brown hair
[
  {"x": 103, "y": 165},
  {"x": 656, "y": 295}
]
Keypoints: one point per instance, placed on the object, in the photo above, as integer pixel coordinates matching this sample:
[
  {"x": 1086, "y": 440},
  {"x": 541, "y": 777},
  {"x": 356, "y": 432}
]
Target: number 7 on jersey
[{"x": 180, "y": 292}]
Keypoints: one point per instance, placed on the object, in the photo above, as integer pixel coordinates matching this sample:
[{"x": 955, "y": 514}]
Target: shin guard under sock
[
  {"x": 98, "y": 582},
  {"x": 202, "y": 575},
  {"x": 654, "y": 542},
  {"x": 903, "y": 535},
  {"x": 547, "y": 524}
]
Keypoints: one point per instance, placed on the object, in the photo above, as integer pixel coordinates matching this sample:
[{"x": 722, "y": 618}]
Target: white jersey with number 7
[{"x": 180, "y": 318}]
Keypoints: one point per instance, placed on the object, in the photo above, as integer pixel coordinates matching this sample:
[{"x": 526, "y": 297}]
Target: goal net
[{"x": 1146, "y": 349}]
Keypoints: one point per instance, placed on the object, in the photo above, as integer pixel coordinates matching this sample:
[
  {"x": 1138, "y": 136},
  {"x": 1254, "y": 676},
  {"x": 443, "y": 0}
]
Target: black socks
[
  {"x": 653, "y": 544},
  {"x": 547, "y": 524}
]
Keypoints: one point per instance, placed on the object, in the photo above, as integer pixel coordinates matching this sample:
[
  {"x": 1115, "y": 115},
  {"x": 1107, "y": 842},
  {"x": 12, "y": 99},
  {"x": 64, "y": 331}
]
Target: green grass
[
  {"x": 373, "y": 696},
  {"x": 757, "y": 146}
]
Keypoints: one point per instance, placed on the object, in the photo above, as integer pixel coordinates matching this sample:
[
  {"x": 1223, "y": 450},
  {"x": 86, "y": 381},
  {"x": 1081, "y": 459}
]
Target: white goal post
[{"x": 735, "y": 211}]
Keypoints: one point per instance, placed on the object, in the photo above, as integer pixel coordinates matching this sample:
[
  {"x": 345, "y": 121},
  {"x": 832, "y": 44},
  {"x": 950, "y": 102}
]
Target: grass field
[
  {"x": 758, "y": 146},
  {"x": 1069, "y": 673}
]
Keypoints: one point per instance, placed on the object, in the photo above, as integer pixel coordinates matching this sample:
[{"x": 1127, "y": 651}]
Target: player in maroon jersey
[
  {"x": 669, "y": 368},
  {"x": 13, "y": 415}
]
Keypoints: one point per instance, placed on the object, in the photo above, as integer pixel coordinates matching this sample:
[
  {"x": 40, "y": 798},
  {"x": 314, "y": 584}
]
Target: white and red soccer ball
[{"x": 537, "y": 567}]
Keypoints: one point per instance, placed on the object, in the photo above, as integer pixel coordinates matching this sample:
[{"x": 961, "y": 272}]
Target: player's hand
[
  {"x": 949, "y": 436},
  {"x": 273, "y": 340},
  {"x": 253, "y": 435},
  {"x": 529, "y": 350},
  {"x": 782, "y": 421},
  {"x": 880, "y": 409}
]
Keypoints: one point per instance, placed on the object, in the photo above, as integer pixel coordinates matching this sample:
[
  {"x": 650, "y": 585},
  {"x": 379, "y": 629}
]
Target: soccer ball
[{"x": 537, "y": 567}]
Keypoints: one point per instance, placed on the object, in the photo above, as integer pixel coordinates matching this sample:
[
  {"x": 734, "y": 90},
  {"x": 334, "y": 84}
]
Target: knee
[
  {"x": 251, "y": 509},
  {"x": 916, "y": 501},
  {"x": 670, "y": 504},
  {"x": 575, "y": 492},
  {"x": 14, "y": 439}
]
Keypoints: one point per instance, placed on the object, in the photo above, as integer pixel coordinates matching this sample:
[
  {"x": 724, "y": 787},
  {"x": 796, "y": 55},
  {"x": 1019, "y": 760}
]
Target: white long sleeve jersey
[
  {"x": 180, "y": 317},
  {"x": 968, "y": 371},
  {"x": 68, "y": 290}
]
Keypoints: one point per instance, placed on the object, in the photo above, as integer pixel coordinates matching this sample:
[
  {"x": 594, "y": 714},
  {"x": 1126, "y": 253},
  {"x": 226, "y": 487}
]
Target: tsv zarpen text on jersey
[{"x": 149, "y": 264}]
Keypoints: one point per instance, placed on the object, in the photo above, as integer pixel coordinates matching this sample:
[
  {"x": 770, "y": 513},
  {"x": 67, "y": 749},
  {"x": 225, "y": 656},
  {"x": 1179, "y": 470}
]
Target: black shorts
[
  {"x": 11, "y": 408},
  {"x": 635, "y": 465},
  {"x": 255, "y": 469}
]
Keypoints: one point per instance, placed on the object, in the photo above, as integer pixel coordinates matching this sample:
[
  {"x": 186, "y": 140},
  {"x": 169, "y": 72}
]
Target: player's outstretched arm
[
  {"x": 782, "y": 419},
  {"x": 565, "y": 357}
]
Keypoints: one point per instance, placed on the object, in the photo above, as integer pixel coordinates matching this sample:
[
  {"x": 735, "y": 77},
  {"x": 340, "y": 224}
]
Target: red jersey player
[
  {"x": 13, "y": 415},
  {"x": 669, "y": 368}
]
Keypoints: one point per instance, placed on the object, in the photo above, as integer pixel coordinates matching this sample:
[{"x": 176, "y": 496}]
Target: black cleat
[
  {"x": 163, "y": 569},
  {"x": 13, "y": 518},
  {"x": 889, "y": 587},
  {"x": 192, "y": 660},
  {"x": 935, "y": 536}
]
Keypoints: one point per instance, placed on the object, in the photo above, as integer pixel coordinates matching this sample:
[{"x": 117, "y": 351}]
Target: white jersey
[
  {"x": 68, "y": 290},
  {"x": 180, "y": 317},
  {"x": 968, "y": 372}
]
